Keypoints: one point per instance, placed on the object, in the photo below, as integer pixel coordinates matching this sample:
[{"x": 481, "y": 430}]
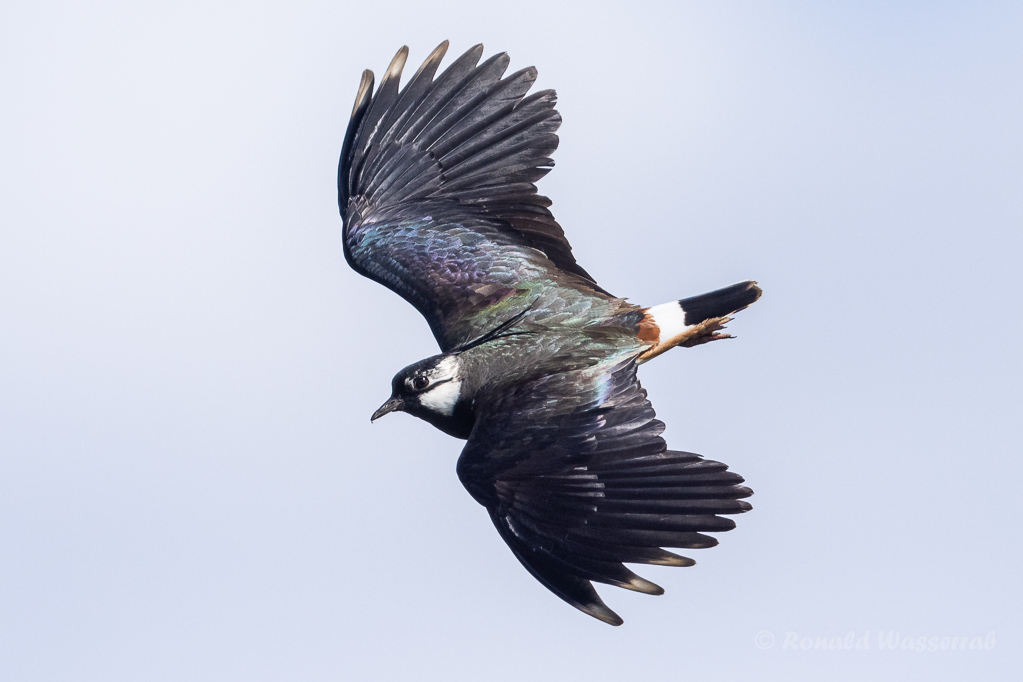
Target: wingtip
[
  {"x": 603, "y": 614},
  {"x": 433, "y": 59},
  {"x": 394, "y": 69},
  {"x": 679, "y": 561},
  {"x": 476, "y": 51},
  {"x": 364, "y": 92},
  {"x": 638, "y": 584}
]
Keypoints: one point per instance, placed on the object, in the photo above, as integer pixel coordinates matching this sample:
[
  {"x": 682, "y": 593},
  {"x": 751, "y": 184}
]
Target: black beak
[{"x": 392, "y": 405}]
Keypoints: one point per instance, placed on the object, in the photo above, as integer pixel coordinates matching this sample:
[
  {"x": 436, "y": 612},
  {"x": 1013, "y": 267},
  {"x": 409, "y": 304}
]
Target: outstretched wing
[
  {"x": 578, "y": 481},
  {"x": 435, "y": 186}
]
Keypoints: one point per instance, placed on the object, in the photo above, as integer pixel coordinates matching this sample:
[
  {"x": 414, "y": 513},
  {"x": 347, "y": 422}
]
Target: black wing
[
  {"x": 578, "y": 481},
  {"x": 435, "y": 186}
]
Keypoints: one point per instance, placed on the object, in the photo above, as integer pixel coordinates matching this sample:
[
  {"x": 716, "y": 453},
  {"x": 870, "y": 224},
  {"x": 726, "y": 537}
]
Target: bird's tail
[{"x": 694, "y": 320}]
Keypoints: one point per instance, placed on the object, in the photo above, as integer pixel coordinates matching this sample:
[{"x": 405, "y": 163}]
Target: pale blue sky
[{"x": 190, "y": 488}]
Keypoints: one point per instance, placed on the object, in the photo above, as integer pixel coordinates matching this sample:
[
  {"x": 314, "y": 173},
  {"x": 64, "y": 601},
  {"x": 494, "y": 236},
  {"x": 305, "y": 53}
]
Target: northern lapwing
[{"x": 538, "y": 362}]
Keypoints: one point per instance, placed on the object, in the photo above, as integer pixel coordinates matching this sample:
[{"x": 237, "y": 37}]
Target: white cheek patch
[
  {"x": 442, "y": 398},
  {"x": 670, "y": 318}
]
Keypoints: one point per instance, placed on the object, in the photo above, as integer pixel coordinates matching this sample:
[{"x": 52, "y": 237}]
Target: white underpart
[
  {"x": 670, "y": 318},
  {"x": 446, "y": 389}
]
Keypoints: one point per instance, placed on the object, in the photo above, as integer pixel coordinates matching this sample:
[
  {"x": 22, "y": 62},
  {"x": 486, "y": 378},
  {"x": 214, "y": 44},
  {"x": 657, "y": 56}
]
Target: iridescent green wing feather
[{"x": 436, "y": 189}]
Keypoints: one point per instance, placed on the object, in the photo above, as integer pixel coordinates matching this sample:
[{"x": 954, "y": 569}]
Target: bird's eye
[{"x": 420, "y": 382}]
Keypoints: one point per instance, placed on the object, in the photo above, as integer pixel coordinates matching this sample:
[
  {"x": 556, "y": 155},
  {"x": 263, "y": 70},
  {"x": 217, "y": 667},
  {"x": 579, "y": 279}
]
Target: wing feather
[
  {"x": 578, "y": 481},
  {"x": 436, "y": 189}
]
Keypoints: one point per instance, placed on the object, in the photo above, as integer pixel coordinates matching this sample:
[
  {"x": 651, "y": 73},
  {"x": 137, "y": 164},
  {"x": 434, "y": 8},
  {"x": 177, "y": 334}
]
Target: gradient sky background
[{"x": 190, "y": 488}]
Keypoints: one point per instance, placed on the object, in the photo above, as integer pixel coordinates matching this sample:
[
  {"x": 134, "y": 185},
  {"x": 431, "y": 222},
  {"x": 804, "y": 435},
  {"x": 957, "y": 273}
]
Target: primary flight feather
[{"x": 538, "y": 365}]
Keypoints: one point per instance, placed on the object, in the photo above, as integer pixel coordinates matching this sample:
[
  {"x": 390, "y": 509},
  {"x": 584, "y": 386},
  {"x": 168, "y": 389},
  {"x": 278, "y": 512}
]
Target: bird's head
[{"x": 430, "y": 389}]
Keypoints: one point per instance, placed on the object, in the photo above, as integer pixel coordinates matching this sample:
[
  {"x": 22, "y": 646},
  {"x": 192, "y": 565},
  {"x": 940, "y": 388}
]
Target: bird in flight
[{"x": 537, "y": 370}]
